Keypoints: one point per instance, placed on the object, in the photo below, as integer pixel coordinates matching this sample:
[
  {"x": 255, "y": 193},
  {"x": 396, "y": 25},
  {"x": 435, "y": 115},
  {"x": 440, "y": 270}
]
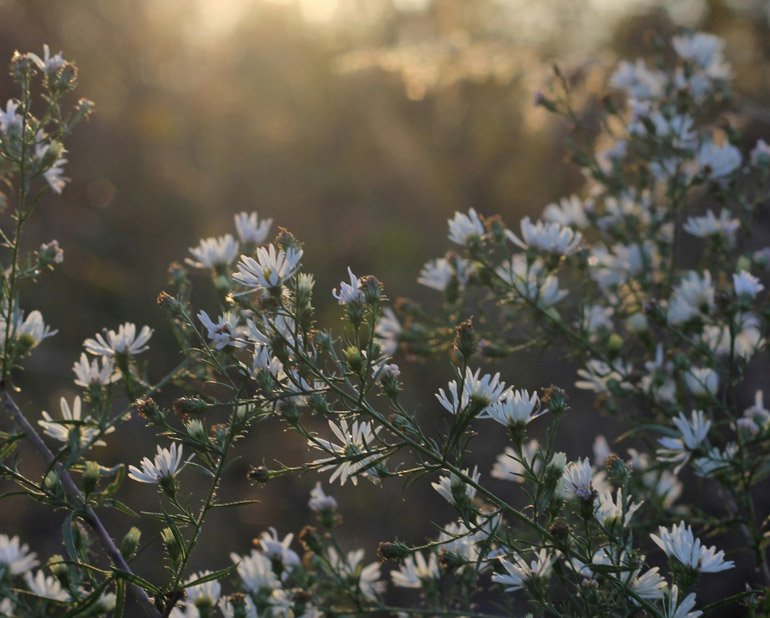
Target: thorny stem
[{"x": 88, "y": 514}]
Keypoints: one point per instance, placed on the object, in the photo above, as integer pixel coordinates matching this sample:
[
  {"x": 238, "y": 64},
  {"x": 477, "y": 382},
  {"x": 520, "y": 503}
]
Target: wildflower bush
[{"x": 650, "y": 278}]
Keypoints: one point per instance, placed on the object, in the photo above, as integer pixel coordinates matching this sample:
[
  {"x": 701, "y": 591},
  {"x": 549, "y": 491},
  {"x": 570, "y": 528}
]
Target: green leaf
[
  {"x": 212, "y": 576},
  {"x": 133, "y": 578},
  {"x": 120, "y": 599}
]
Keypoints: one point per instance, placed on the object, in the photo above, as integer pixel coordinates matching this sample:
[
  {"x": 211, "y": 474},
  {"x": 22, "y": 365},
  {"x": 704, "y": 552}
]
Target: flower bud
[
  {"x": 171, "y": 544},
  {"x": 60, "y": 570},
  {"x": 395, "y": 551},
  {"x": 197, "y": 431},
  {"x": 560, "y": 531},
  {"x": 372, "y": 290},
  {"x": 130, "y": 542},
  {"x": 90, "y": 477},
  {"x": 147, "y": 408},
  {"x": 238, "y": 605},
  {"x": 354, "y": 358},
  {"x": 168, "y": 302},
  {"x": 555, "y": 399},
  {"x": 260, "y": 474},
  {"x": 616, "y": 467},
  {"x": 49, "y": 254},
  {"x": 189, "y": 405},
  {"x": 310, "y": 540},
  {"x": 465, "y": 340}
]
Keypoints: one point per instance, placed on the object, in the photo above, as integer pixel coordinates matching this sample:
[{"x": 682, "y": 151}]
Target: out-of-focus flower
[
  {"x": 509, "y": 468},
  {"x": 546, "y": 236},
  {"x": 717, "y": 161},
  {"x": 61, "y": 430},
  {"x": 366, "y": 578},
  {"x": 710, "y": 225},
  {"x": 250, "y": 229},
  {"x": 15, "y": 558},
  {"x": 90, "y": 374},
  {"x": 519, "y": 572},
  {"x": 47, "y": 587},
  {"x": 213, "y": 252},
  {"x": 463, "y": 228},
  {"x": 319, "y": 501},
  {"x": 349, "y": 292},
  {"x": 415, "y": 571}
]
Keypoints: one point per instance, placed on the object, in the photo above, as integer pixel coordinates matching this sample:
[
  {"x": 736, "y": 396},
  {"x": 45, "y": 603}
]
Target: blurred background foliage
[{"x": 359, "y": 125}]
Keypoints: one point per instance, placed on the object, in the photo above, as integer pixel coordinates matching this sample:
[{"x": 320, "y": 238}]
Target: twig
[{"x": 89, "y": 516}]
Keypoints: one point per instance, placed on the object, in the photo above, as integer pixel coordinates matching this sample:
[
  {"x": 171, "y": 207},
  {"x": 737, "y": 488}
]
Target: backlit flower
[{"x": 124, "y": 341}]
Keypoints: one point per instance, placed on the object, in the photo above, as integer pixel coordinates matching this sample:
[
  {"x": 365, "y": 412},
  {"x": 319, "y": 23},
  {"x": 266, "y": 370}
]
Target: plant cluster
[{"x": 649, "y": 278}]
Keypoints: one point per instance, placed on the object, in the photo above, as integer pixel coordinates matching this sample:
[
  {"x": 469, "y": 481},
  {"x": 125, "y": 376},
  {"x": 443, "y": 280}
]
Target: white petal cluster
[
  {"x": 673, "y": 608},
  {"x": 277, "y": 550},
  {"x": 546, "y": 236},
  {"x": 746, "y": 284},
  {"x": 124, "y": 341},
  {"x": 350, "y": 566},
  {"x": 717, "y": 161},
  {"x": 354, "y": 454},
  {"x": 518, "y": 572},
  {"x": 448, "y": 485},
  {"x": 680, "y": 543},
  {"x": 256, "y": 572},
  {"x": 463, "y": 228},
  {"x": 223, "y": 333},
  {"x": 692, "y": 431},
  {"x": 416, "y": 571},
  {"x": 440, "y": 272},
  {"x": 250, "y": 229},
  {"x": 508, "y": 467},
  {"x": 710, "y": 225},
  {"x": 692, "y": 298},
  {"x": 214, "y": 252},
  {"x": 516, "y": 407},
  {"x": 319, "y": 501},
  {"x": 271, "y": 268},
  {"x": 72, "y": 423},
  {"x": 577, "y": 480},
  {"x": 530, "y": 280},
  {"x": 611, "y": 509},
  {"x": 483, "y": 391},
  {"x": 569, "y": 211},
  {"x": 15, "y": 558},
  {"x": 47, "y": 587},
  {"x": 349, "y": 292},
  {"x": 88, "y": 374},
  {"x": 165, "y": 465}
]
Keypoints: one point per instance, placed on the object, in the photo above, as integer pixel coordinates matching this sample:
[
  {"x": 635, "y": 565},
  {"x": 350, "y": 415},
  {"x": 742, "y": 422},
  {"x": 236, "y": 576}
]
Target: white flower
[
  {"x": 166, "y": 465},
  {"x": 716, "y": 162},
  {"x": 53, "y": 175},
  {"x": 715, "y": 460},
  {"x": 223, "y": 333},
  {"x": 509, "y": 468},
  {"x": 277, "y": 550},
  {"x": 519, "y": 572},
  {"x": 10, "y": 121},
  {"x": 15, "y": 558},
  {"x": 482, "y": 391},
  {"x": 61, "y": 430},
  {"x": 213, "y": 252},
  {"x": 637, "y": 80},
  {"x": 746, "y": 284},
  {"x": 709, "y": 225},
  {"x": 448, "y": 485},
  {"x": 89, "y": 374},
  {"x": 680, "y": 543},
  {"x": 439, "y": 273},
  {"x": 49, "y": 63},
  {"x": 577, "y": 480},
  {"x": 674, "y": 609},
  {"x": 270, "y": 269},
  {"x": 609, "y": 509},
  {"x": 365, "y": 578},
  {"x": 516, "y": 408},
  {"x": 353, "y": 456},
  {"x": 45, "y": 587},
  {"x": 693, "y": 297},
  {"x": 415, "y": 571},
  {"x": 546, "y": 236},
  {"x": 31, "y": 330},
  {"x": 349, "y": 292},
  {"x": 125, "y": 341},
  {"x": 703, "y": 49},
  {"x": 758, "y": 154},
  {"x": 758, "y": 412},
  {"x": 319, "y": 501},
  {"x": 569, "y": 211},
  {"x": 650, "y": 585},
  {"x": 692, "y": 432},
  {"x": 256, "y": 572},
  {"x": 463, "y": 228},
  {"x": 530, "y": 280},
  {"x": 601, "y": 449},
  {"x": 387, "y": 330},
  {"x": 702, "y": 382},
  {"x": 250, "y": 229},
  {"x": 206, "y": 593},
  {"x": 598, "y": 376}
]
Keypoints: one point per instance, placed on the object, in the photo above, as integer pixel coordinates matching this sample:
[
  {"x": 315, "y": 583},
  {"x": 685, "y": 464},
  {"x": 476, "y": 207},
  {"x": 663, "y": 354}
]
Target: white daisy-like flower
[
  {"x": 519, "y": 572},
  {"x": 71, "y": 420},
  {"x": 717, "y": 161},
  {"x": 88, "y": 374},
  {"x": 256, "y": 572},
  {"x": 530, "y": 280},
  {"x": 387, "y": 330},
  {"x": 598, "y": 376},
  {"x": 319, "y": 501},
  {"x": 710, "y": 225},
  {"x": 569, "y": 211},
  {"x": 517, "y": 407},
  {"x": 693, "y": 431},
  {"x": 271, "y": 268},
  {"x": 702, "y": 48},
  {"x": 673, "y": 608},
  {"x": 546, "y": 236},
  {"x": 702, "y": 381},
  {"x": 637, "y": 80},
  {"x": 609, "y": 509},
  {"x": 15, "y": 558},
  {"x": 692, "y": 298},
  {"x": 366, "y": 578},
  {"x": 416, "y": 571},
  {"x": 250, "y": 229},
  {"x": 577, "y": 480},
  {"x": 124, "y": 341},
  {"x": 680, "y": 543},
  {"x": 30, "y": 330},
  {"x": 650, "y": 585},
  {"x": 349, "y": 292},
  {"x": 509, "y": 468},
  {"x": 10, "y": 121},
  {"x": 760, "y": 153},
  {"x": 47, "y": 587},
  {"x": 222, "y": 333},
  {"x": 448, "y": 485},
  {"x": 166, "y": 465},
  {"x": 206, "y": 594},
  {"x": 746, "y": 284},
  {"x": 715, "y": 460},
  {"x": 353, "y": 455},
  {"x": 48, "y": 63},
  {"x": 482, "y": 391},
  {"x": 277, "y": 550},
  {"x": 463, "y": 228},
  {"x": 214, "y": 252},
  {"x": 440, "y": 272}
]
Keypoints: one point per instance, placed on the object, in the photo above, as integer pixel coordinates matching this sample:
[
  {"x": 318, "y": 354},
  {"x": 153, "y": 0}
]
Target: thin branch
[{"x": 72, "y": 489}]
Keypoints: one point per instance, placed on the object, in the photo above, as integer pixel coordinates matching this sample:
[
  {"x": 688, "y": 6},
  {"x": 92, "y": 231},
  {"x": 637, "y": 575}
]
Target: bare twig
[{"x": 89, "y": 515}]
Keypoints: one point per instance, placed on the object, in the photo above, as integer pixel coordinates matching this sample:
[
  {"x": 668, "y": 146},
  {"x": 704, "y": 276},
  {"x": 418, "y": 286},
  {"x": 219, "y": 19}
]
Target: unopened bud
[
  {"x": 168, "y": 302},
  {"x": 395, "y": 551},
  {"x": 260, "y": 474},
  {"x": 465, "y": 340},
  {"x": 310, "y": 540},
  {"x": 130, "y": 542},
  {"x": 147, "y": 408},
  {"x": 90, "y": 476},
  {"x": 189, "y": 405},
  {"x": 616, "y": 466},
  {"x": 171, "y": 544},
  {"x": 372, "y": 290},
  {"x": 354, "y": 358},
  {"x": 60, "y": 570},
  {"x": 555, "y": 399}
]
